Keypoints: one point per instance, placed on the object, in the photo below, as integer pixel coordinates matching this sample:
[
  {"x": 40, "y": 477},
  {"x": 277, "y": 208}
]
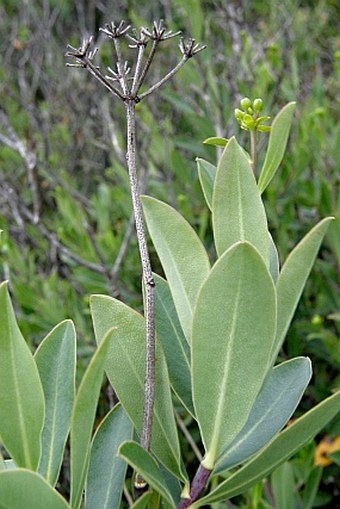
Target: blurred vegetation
[{"x": 64, "y": 193}]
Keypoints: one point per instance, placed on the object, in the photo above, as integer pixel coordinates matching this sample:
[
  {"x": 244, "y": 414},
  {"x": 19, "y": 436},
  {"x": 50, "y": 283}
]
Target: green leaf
[
  {"x": 274, "y": 266},
  {"x": 125, "y": 368},
  {"x": 292, "y": 279},
  {"x": 175, "y": 345},
  {"x": 311, "y": 487},
  {"x": 182, "y": 255},
  {"x": 83, "y": 416},
  {"x": 144, "y": 464},
  {"x": 283, "y": 484},
  {"x": 233, "y": 331},
  {"x": 142, "y": 501},
  {"x": 206, "y": 175},
  {"x": 216, "y": 141},
  {"x": 56, "y": 362},
  {"x": 276, "y": 402},
  {"x": 105, "y": 479},
  {"x": 281, "y": 448},
  {"x": 22, "y": 405},
  {"x": 23, "y": 489},
  {"x": 278, "y": 138},
  {"x": 238, "y": 211}
]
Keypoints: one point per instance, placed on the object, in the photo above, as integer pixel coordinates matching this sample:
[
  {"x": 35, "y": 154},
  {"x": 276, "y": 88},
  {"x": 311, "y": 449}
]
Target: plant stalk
[
  {"x": 197, "y": 486},
  {"x": 253, "y": 149},
  {"x": 148, "y": 281}
]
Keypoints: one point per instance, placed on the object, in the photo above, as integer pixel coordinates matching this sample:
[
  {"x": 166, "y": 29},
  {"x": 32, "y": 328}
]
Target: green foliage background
[{"x": 280, "y": 51}]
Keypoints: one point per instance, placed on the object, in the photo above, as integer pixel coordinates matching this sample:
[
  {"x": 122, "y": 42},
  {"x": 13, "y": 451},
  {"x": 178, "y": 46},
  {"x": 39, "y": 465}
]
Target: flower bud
[
  {"x": 245, "y": 103},
  {"x": 238, "y": 114},
  {"x": 248, "y": 120},
  {"x": 258, "y": 105}
]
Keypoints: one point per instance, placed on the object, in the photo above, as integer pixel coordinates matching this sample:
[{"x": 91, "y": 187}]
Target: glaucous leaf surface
[
  {"x": 22, "y": 405},
  {"x": 281, "y": 448},
  {"x": 56, "y": 362},
  {"x": 206, "y": 175},
  {"x": 175, "y": 346},
  {"x": 106, "y": 474},
  {"x": 292, "y": 279},
  {"x": 182, "y": 255},
  {"x": 276, "y": 145},
  {"x": 233, "y": 331},
  {"x": 24, "y": 489},
  {"x": 143, "y": 462},
  {"x": 238, "y": 213},
  {"x": 281, "y": 392},
  {"x": 83, "y": 415},
  {"x": 125, "y": 368}
]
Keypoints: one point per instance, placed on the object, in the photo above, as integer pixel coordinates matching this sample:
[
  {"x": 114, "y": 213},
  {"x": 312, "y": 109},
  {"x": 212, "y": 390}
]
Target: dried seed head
[{"x": 114, "y": 31}]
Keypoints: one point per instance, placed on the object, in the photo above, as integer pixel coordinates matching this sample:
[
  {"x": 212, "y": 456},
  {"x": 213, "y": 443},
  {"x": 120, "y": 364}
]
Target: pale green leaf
[
  {"x": 274, "y": 266},
  {"x": 56, "y": 361},
  {"x": 217, "y": 141},
  {"x": 175, "y": 345},
  {"x": 22, "y": 405},
  {"x": 83, "y": 416},
  {"x": 24, "y": 489},
  {"x": 206, "y": 175},
  {"x": 233, "y": 331},
  {"x": 238, "y": 211},
  {"x": 276, "y": 402},
  {"x": 144, "y": 464},
  {"x": 106, "y": 474},
  {"x": 283, "y": 484},
  {"x": 125, "y": 368},
  {"x": 281, "y": 448},
  {"x": 182, "y": 255},
  {"x": 292, "y": 280},
  {"x": 276, "y": 145}
]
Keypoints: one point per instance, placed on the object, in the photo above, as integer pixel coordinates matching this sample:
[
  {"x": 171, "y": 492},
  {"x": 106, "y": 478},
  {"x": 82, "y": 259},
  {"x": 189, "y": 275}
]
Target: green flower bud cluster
[{"x": 249, "y": 116}]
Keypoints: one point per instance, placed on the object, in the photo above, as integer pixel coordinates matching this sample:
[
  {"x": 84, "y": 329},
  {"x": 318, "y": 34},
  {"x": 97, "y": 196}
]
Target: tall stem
[
  {"x": 149, "y": 387},
  {"x": 253, "y": 149}
]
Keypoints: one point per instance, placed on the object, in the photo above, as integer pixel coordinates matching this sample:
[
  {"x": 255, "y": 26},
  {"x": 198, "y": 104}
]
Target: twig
[
  {"x": 197, "y": 486},
  {"x": 189, "y": 438}
]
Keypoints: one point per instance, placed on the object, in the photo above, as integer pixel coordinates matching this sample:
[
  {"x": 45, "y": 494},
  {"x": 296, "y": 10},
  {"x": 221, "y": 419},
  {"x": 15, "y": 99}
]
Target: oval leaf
[
  {"x": 238, "y": 211},
  {"x": 105, "y": 479},
  {"x": 276, "y": 402},
  {"x": 83, "y": 416},
  {"x": 143, "y": 462},
  {"x": 217, "y": 141},
  {"x": 23, "y": 489},
  {"x": 233, "y": 331},
  {"x": 125, "y": 368},
  {"x": 276, "y": 145},
  {"x": 22, "y": 405},
  {"x": 56, "y": 361},
  {"x": 293, "y": 277},
  {"x": 175, "y": 345},
  {"x": 182, "y": 255},
  {"x": 287, "y": 443}
]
